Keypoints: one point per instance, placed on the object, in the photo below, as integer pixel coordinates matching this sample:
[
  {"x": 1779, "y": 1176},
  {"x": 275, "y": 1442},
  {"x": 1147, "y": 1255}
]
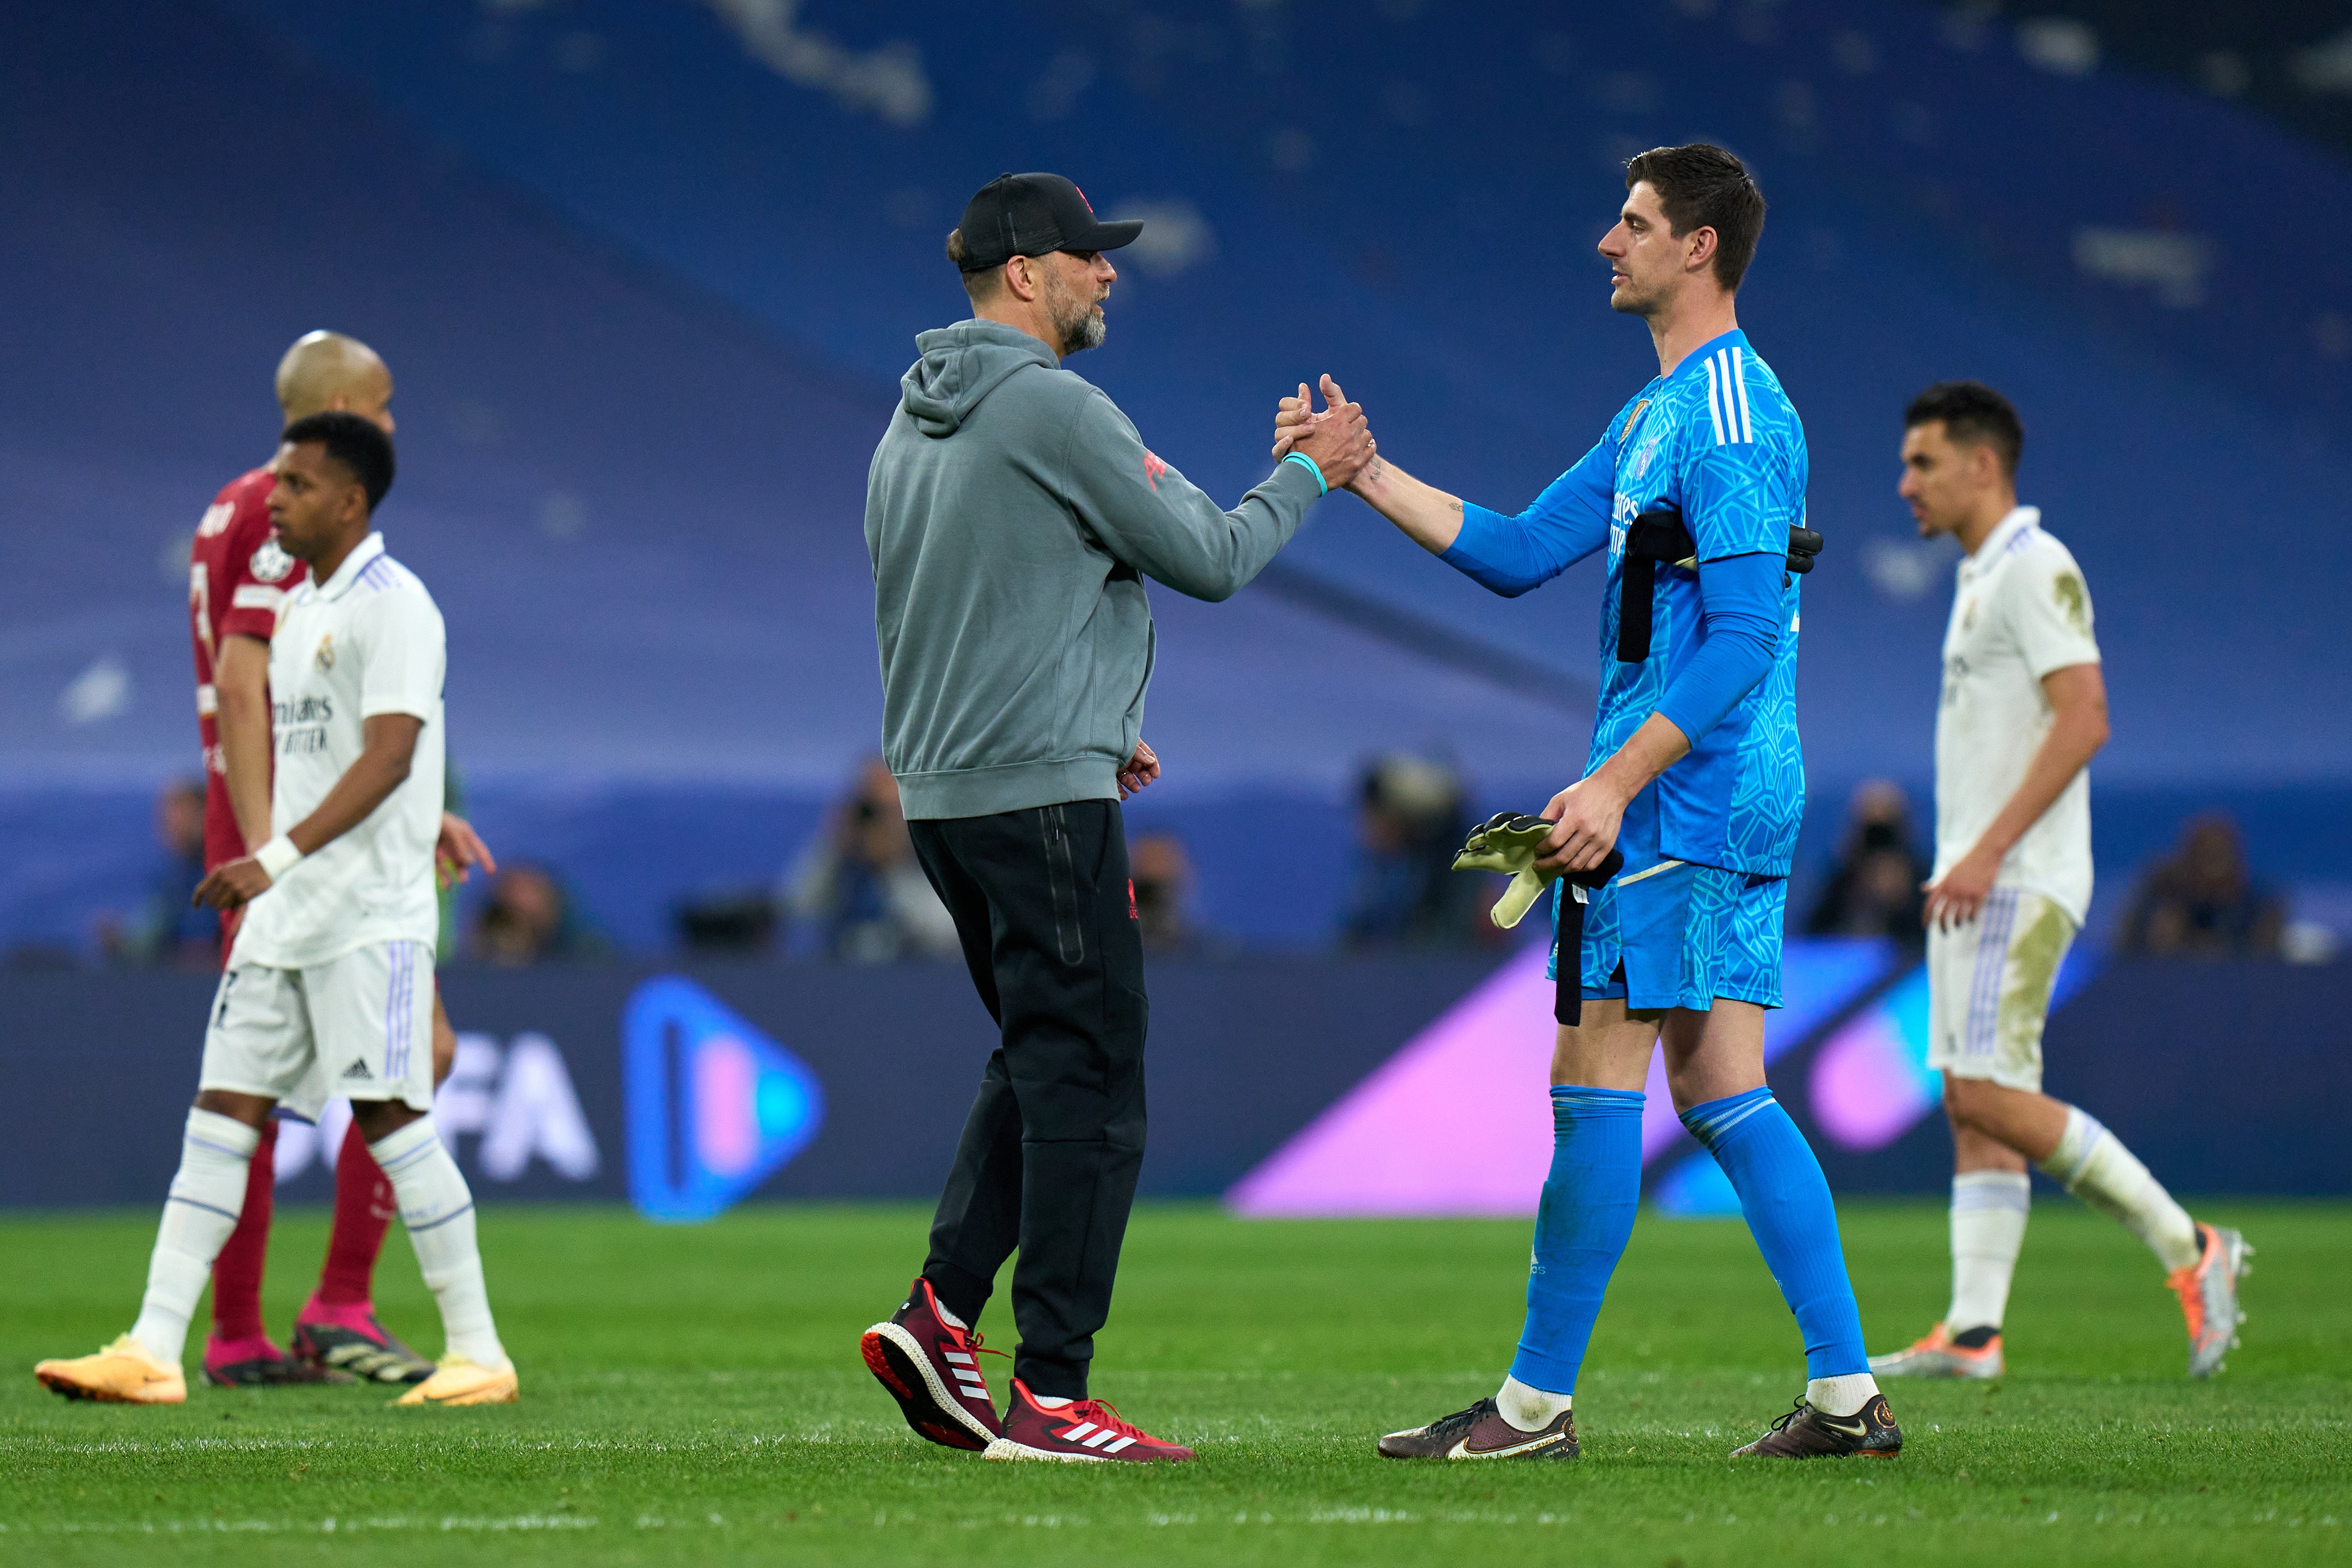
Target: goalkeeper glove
[
  {"x": 1509, "y": 842},
  {"x": 1803, "y": 545}
]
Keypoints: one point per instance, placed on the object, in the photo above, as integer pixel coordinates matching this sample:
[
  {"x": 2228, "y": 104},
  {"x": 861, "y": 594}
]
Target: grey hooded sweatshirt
[{"x": 1012, "y": 512}]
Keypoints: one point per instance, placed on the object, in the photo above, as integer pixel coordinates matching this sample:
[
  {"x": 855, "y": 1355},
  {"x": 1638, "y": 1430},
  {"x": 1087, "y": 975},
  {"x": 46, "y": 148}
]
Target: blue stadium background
[{"x": 647, "y": 274}]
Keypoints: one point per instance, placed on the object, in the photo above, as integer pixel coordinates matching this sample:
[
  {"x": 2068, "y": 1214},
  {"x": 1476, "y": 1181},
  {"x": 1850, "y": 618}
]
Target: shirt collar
[
  {"x": 1695, "y": 361},
  {"x": 358, "y": 561},
  {"x": 1996, "y": 543}
]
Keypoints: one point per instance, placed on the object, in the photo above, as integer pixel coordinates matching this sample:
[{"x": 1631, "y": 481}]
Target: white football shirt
[
  {"x": 369, "y": 640},
  {"x": 2021, "y": 611}
]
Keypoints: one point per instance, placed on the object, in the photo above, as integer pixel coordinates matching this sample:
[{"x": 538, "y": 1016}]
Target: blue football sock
[
  {"x": 1580, "y": 1231},
  {"x": 1787, "y": 1202}
]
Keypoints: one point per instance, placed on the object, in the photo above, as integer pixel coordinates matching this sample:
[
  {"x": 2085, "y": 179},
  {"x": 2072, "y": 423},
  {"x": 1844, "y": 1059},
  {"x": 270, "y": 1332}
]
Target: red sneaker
[
  {"x": 933, "y": 1369},
  {"x": 1082, "y": 1429}
]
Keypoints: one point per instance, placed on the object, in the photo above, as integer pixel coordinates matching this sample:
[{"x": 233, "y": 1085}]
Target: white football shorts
[
  {"x": 356, "y": 1027},
  {"x": 1988, "y": 985}
]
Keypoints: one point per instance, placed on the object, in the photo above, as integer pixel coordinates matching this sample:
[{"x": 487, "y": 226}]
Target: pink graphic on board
[
  {"x": 1870, "y": 1081},
  {"x": 1865, "y": 1095},
  {"x": 725, "y": 1106},
  {"x": 1457, "y": 1122}
]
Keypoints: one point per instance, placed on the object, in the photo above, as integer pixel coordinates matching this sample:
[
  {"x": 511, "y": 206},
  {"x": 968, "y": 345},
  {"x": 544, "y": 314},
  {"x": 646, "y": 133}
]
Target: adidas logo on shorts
[{"x": 357, "y": 1072}]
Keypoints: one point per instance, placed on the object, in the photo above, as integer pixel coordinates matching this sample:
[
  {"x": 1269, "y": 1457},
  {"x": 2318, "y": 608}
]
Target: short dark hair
[
  {"x": 982, "y": 283},
  {"x": 359, "y": 444},
  {"x": 1701, "y": 185},
  {"x": 1975, "y": 414}
]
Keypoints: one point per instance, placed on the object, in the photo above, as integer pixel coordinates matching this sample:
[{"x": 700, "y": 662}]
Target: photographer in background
[
  {"x": 1411, "y": 816},
  {"x": 167, "y": 930},
  {"x": 1878, "y": 887},
  {"x": 858, "y": 885},
  {"x": 2202, "y": 901}
]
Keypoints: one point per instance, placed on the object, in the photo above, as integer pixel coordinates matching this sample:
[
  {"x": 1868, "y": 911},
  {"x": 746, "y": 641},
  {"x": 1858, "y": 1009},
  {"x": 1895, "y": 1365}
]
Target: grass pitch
[{"x": 696, "y": 1394}]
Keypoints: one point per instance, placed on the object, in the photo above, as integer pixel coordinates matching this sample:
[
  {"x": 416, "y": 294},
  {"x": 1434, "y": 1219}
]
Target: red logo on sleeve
[
  {"x": 1152, "y": 468},
  {"x": 1133, "y": 913}
]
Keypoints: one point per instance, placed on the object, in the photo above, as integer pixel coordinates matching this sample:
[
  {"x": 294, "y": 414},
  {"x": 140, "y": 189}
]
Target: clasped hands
[{"x": 1336, "y": 437}]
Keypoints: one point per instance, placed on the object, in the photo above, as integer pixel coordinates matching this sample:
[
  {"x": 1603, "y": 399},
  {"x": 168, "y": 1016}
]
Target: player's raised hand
[
  {"x": 1585, "y": 817},
  {"x": 459, "y": 850},
  {"x": 232, "y": 886},
  {"x": 1336, "y": 440}
]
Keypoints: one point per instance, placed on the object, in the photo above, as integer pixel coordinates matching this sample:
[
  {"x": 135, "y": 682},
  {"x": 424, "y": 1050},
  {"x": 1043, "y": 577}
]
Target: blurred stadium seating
[{"x": 643, "y": 355}]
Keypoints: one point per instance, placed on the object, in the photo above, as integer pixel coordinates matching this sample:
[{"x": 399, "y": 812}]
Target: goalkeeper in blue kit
[{"x": 1696, "y": 492}]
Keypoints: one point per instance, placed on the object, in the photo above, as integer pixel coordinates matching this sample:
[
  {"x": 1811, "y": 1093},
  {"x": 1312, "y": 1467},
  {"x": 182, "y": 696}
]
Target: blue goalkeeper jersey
[{"x": 1719, "y": 439}]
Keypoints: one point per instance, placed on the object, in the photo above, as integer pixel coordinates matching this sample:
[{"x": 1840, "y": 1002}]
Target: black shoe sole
[
  {"x": 898, "y": 1371},
  {"x": 286, "y": 1373},
  {"x": 1562, "y": 1452}
]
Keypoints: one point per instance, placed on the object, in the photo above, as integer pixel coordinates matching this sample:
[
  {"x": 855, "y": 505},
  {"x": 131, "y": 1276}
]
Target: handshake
[{"x": 1337, "y": 438}]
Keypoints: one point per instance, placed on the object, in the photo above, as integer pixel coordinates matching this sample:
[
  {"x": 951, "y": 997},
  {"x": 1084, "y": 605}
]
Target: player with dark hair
[
  {"x": 237, "y": 578},
  {"x": 2024, "y": 708},
  {"x": 329, "y": 986},
  {"x": 1696, "y": 492},
  {"x": 360, "y": 447}
]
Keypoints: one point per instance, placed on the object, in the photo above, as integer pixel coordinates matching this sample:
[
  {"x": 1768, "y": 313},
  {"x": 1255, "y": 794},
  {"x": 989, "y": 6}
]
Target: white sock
[
  {"x": 2094, "y": 1165},
  {"x": 1989, "y": 1211},
  {"x": 207, "y": 1194},
  {"x": 1048, "y": 1401},
  {"x": 1841, "y": 1395},
  {"x": 438, "y": 1212},
  {"x": 1530, "y": 1409},
  {"x": 949, "y": 1319}
]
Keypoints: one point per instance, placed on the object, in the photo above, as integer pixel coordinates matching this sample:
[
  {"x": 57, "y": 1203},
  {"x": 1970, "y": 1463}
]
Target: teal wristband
[{"x": 1304, "y": 461}]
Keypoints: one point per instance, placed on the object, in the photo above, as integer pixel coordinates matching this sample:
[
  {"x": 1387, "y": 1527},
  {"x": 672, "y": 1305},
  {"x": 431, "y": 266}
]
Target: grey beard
[
  {"x": 1086, "y": 332},
  {"x": 1077, "y": 319}
]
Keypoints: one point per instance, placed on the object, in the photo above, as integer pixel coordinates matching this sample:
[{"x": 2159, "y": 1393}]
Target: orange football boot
[
  {"x": 1937, "y": 1356},
  {"x": 121, "y": 1374},
  {"x": 2208, "y": 1289}
]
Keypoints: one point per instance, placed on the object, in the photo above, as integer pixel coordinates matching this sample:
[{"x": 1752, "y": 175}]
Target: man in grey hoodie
[{"x": 1012, "y": 512}]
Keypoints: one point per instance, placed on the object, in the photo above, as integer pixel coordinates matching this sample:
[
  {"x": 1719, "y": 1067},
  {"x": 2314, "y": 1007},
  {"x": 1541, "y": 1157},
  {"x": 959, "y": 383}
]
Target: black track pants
[{"x": 1051, "y": 1150}]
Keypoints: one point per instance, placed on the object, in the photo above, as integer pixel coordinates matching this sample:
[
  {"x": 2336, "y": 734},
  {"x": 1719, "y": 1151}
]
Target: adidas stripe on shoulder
[{"x": 1726, "y": 397}]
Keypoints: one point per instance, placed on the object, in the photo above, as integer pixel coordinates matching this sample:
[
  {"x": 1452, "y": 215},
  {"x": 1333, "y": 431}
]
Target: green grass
[{"x": 697, "y": 1395}]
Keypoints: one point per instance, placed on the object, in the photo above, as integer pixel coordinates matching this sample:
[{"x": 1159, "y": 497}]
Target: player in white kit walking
[
  {"x": 2024, "y": 708},
  {"x": 330, "y": 984}
]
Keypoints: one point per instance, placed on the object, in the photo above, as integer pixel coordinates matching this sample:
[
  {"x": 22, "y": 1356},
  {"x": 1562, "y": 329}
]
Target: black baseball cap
[{"x": 1035, "y": 215}]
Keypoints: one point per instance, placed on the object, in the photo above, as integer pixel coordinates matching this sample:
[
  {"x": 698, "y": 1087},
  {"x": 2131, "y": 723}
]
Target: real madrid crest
[{"x": 327, "y": 651}]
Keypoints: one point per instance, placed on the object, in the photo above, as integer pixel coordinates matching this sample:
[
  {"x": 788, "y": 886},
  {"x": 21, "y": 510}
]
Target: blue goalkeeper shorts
[{"x": 1681, "y": 938}]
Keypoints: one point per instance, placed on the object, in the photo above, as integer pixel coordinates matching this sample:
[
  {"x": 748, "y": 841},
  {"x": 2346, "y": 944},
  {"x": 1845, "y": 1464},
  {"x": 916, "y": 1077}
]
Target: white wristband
[{"x": 278, "y": 857}]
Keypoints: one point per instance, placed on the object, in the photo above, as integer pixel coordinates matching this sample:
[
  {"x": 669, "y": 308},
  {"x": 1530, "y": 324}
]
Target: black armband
[
  {"x": 1656, "y": 535},
  {"x": 1659, "y": 535}
]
